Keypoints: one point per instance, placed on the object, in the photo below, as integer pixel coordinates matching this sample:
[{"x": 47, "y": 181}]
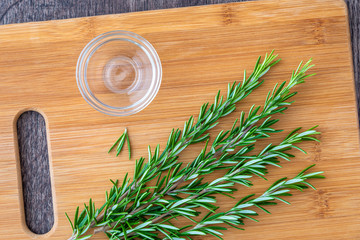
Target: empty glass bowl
[{"x": 119, "y": 73}]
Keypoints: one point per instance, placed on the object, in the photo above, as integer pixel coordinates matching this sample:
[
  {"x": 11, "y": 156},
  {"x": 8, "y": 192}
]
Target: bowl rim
[{"x": 100, "y": 40}]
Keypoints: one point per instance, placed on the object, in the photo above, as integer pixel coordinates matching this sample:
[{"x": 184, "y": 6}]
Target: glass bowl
[{"x": 119, "y": 73}]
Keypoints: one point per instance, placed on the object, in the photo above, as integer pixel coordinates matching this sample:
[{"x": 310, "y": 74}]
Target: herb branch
[
  {"x": 235, "y": 216},
  {"x": 135, "y": 209}
]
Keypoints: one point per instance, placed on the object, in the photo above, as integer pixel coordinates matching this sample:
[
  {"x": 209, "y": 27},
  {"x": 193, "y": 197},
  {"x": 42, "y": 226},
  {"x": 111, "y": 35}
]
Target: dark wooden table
[{"x": 31, "y": 126}]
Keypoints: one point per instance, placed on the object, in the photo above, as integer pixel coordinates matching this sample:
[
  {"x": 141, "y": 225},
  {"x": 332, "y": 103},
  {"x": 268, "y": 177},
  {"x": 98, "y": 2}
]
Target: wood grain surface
[{"x": 45, "y": 10}]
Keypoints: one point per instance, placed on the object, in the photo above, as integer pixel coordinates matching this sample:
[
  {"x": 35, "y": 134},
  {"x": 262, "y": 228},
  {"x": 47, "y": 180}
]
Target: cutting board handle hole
[{"x": 38, "y": 209}]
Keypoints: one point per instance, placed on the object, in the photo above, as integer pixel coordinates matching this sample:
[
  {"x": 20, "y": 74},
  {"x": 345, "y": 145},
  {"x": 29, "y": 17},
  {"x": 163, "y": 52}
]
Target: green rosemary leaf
[
  {"x": 76, "y": 217},
  {"x": 121, "y": 144},
  {"x": 128, "y": 144},
  {"x": 85, "y": 237},
  {"x": 67, "y": 216},
  {"x": 117, "y": 141}
]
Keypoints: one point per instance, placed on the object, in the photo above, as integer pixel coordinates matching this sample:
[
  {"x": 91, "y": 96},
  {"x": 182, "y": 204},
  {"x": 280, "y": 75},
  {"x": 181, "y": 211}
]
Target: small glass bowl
[{"x": 118, "y": 73}]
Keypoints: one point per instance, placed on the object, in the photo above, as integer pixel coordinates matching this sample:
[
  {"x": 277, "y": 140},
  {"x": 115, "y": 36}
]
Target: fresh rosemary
[
  {"x": 136, "y": 210},
  {"x": 120, "y": 142},
  {"x": 234, "y": 217}
]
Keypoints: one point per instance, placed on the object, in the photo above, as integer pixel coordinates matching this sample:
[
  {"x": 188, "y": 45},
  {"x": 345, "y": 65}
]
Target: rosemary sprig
[
  {"x": 137, "y": 210},
  {"x": 178, "y": 141},
  {"x": 242, "y": 169},
  {"x": 243, "y": 135},
  {"x": 235, "y": 216}
]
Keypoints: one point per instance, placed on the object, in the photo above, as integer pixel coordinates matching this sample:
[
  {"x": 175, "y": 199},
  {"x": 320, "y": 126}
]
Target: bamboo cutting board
[{"x": 201, "y": 49}]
